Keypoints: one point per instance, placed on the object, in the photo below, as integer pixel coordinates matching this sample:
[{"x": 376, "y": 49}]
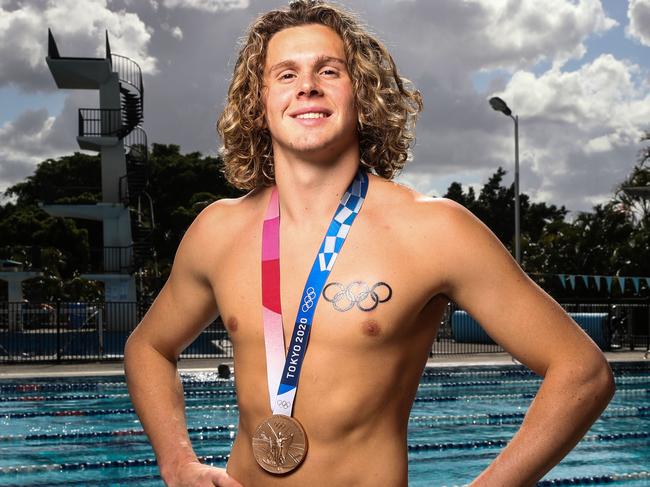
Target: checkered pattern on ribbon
[{"x": 348, "y": 209}]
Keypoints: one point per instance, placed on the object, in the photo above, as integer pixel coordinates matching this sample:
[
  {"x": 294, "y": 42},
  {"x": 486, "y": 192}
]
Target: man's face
[{"x": 308, "y": 96}]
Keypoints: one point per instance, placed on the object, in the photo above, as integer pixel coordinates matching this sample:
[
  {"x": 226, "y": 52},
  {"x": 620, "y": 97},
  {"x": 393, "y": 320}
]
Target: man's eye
[
  {"x": 329, "y": 72},
  {"x": 287, "y": 76}
]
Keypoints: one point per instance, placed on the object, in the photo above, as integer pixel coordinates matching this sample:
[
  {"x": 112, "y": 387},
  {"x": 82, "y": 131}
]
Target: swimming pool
[{"x": 83, "y": 431}]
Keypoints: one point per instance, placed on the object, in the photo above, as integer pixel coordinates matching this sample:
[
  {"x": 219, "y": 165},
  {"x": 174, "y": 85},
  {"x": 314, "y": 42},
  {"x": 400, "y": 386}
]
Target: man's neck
[{"x": 311, "y": 192}]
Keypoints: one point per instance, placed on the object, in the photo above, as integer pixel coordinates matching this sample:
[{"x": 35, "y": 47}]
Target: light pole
[{"x": 500, "y": 106}]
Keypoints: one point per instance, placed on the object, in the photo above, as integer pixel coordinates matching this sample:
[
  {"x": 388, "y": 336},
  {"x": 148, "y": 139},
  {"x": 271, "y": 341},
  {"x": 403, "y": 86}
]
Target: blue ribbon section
[{"x": 344, "y": 216}]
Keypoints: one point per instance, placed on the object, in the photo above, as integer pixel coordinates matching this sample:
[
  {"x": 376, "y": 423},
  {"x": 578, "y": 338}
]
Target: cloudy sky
[{"x": 577, "y": 72}]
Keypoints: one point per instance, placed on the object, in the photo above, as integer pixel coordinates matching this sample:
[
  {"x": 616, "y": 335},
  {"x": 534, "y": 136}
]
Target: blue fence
[
  {"x": 466, "y": 329},
  {"x": 76, "y": 331}
]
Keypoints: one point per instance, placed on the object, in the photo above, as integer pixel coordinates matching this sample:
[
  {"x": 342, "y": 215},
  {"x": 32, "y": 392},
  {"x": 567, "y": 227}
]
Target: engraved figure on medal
[{"x": 279, "y": 444}]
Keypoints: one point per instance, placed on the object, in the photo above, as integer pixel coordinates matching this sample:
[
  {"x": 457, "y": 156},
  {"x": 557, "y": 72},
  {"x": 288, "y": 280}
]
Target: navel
[{"x": 371, "y": 328}]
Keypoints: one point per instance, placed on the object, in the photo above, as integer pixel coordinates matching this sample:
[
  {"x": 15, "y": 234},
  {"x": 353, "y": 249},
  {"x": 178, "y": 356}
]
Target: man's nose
[{"x": 308, "y": 86}]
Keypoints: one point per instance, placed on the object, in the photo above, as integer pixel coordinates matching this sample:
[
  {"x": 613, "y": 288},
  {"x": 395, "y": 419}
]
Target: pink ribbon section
[{"x": 271, "y": 303}]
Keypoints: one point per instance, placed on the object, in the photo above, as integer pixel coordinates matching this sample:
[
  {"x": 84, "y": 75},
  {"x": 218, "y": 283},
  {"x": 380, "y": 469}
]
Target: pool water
[{"x": 83, "y": 431}]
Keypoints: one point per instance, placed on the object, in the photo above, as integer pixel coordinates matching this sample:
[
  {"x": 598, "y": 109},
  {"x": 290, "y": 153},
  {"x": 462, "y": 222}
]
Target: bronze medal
[{"x": 279, "y": 444}]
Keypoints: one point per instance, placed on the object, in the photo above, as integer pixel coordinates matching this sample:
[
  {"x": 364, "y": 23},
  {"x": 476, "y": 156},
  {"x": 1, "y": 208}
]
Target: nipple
[
  {"x": 371, "y": 328},
  {"x": 231, "y": 324}
]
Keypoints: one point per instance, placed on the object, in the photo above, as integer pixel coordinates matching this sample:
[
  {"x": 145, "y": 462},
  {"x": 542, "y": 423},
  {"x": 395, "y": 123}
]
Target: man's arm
[
  {"x": 182, "y": 309},
  {"x": 482, "y": 278}
]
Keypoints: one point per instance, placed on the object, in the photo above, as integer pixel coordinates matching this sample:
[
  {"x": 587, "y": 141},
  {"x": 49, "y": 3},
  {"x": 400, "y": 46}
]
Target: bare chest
[{"x": 374, "y": 296}]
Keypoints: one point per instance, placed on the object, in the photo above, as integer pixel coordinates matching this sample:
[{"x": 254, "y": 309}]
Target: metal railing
[
  {"x": 446, "y": 341},
  {"x": 98, "y": 122},
  {"x": 136, "y": 144},
  {"x": 128, "y": 71},
  {"x": 72, "y": 331}
]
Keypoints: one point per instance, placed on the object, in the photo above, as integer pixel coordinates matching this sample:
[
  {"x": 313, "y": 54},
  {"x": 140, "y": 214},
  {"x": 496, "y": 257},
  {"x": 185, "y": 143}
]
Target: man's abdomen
[{"x": 380, "y": 460}]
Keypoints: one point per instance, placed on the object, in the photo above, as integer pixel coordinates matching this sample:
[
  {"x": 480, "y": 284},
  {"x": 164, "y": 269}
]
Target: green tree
[
  {"x": 495, "y": 207},
  {"x": 181, "y": 185},
  {"x": 69, "y": 179},
  {"x": 606, "y": 241}
]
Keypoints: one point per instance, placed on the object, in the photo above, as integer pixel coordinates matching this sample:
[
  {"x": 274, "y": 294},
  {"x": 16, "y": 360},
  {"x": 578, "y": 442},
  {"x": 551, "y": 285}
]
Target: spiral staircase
[{"x": 114, "y": 130}]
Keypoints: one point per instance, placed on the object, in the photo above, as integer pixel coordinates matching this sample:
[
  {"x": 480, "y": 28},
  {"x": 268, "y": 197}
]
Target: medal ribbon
[{"x": 283, "y": 378}]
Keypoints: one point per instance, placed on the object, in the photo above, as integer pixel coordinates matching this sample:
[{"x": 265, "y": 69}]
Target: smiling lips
[{"x": 311, "y": 113}]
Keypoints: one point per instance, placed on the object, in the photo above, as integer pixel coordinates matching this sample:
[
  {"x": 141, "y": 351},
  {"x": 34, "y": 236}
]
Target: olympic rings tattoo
[{"x": 357, "y": 292}]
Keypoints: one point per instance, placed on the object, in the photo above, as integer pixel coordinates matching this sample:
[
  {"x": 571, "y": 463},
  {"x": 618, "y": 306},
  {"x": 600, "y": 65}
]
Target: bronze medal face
[{"x": 279, "y": 444}]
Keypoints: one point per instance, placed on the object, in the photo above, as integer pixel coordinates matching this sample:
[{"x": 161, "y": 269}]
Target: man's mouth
[
  {"x": 313, "y": 112},
  {"x": 312, "y": 115}
]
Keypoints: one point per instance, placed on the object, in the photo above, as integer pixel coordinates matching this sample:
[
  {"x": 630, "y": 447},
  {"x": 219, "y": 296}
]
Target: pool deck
[{"x": 26, "y": 371}]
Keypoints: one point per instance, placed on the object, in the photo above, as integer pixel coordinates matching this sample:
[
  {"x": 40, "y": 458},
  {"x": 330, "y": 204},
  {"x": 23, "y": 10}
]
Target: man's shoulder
[
  {"x": 398, "y": 200},
  {"x": 230, "y": 212},
  {"x": 422, "y": 223},
  {"x": 222, "y": 221}
]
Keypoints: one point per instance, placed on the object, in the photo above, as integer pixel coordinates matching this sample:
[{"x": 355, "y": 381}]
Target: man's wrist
[{"x": 169, "y": 469}]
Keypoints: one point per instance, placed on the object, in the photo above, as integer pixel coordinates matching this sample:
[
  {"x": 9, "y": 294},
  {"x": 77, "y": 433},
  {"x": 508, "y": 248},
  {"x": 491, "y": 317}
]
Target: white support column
[{"x": 15, "y": 280}]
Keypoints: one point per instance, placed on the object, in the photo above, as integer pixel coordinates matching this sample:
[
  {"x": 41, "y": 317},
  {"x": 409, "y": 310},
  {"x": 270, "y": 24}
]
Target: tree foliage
[
  {"x": 181, "y": 185},
  {"x": 610, "y": 240},
  {"x": 74, "y": 179}
]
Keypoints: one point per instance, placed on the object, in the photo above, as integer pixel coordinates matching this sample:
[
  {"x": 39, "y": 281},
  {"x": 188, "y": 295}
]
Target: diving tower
[{"x": 113, "y": 130}]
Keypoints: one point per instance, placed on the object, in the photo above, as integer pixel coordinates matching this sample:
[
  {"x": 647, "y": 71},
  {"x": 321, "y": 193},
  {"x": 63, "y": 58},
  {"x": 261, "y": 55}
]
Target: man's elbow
[
  {"x": 606, "y": 381},
  {"x": 130, "y": 353},
  {"x": 130, "y": 344},
  {"x": 139, "y": 347},
  {"x": 596, "y": 375},
  {"x": 136, "y": 349}
]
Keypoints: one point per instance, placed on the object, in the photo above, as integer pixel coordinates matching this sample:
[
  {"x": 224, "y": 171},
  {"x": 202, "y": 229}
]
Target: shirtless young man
[{"x": 365, "y": 358}]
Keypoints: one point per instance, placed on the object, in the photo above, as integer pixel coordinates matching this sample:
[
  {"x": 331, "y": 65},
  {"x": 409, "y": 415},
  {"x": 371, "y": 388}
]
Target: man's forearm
[
  {"x": 566, "y": 405},
  {"x": 157, "y": 396}
]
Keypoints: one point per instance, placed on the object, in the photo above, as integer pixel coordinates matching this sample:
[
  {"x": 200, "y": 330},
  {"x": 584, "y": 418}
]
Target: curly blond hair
[{"x": 386, "y": 103}]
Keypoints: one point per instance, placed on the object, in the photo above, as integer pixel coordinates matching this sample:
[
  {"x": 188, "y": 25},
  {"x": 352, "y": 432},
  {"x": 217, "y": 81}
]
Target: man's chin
[{"x": 313, "y": 149}]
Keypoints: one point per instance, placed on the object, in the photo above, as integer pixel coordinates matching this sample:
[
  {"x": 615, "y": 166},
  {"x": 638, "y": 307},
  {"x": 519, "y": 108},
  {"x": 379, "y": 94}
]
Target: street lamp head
[{"x": 500, "y": 106}]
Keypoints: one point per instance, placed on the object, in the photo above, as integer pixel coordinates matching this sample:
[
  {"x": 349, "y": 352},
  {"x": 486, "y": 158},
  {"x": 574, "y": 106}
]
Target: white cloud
[
  {"x": 24, "y": 134},
  {"x": 638, "y": 12},
  {"x": 420, "y": 182},
  {"x": 599, "y": 94},
  {"x": 469, "y": 35},
  {"x": 78, "y": 27},
  {"x": 580, "y": 127},
  {"x": 206, "y": 5},
  {"x": 176, "y": 32},
  {"x": 35, "y": 135},
  {"x": 20, "y": 144},
  {"x": 530, "y": 31}
]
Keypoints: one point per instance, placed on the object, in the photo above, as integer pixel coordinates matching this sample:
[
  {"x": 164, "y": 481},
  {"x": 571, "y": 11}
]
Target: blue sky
[
  {"x": 577, "y": 72},
  {"x": 15, "y": 101}
]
